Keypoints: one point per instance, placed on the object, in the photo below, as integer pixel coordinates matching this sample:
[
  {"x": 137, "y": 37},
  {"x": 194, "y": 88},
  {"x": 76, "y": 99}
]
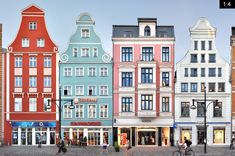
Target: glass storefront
[
  {"x": 219, "y": 134},
  {"x": 200, "y": 135},
  {"x": 165, "y": 136},
  {"x": 15, "y": 136},
  {"x": 41, "y": 135},
  {"x": 93, "y": 137},
  {"x": 125, "y": 134},
  {"x": 186, "y": 132},
  {"x": 66, "y": 134},
  {"x": 106, "y": 135},
  {"x": 146, "y": 137},
  {"x": 52, "y": 136}
]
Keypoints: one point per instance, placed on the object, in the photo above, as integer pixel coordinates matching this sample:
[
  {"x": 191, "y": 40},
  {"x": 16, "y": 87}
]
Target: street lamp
[
  {"x": 205, "y": 107},
  {"x": 75, "y": 101}
]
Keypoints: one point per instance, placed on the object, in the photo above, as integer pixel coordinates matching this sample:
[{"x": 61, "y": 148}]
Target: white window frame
[
  {"x": 85, "y": 34},
  {"x": 66, "y": 73},
  {"x": 95, "y": 90},
  {"x": 92, "y": 113},
  {"x": 87, "y": 53},
  {"x": 102, "y": 71},
  {"x": 75, "y": 50},
  {"x": 32, "y": 81},
  {"x": 76, "y": 69},
  {"x": 100, "y": 91},
  {"x": 67, "y": 111},
  {"x": 76, "y": 91},
  {"x": 88, "y": 73},
  {"x": 25, "y": 42},
  {"x": 32, "y": 62},
  {"x": 18, "y": 102},
  {"x": 101, "y": 110},
  {"x": 32, "y": 104},
  {"x": 67, "y": 89},
  {"x": 47, "y": 82},
  {"x": 32, "y": 25},
  {"x": 47, "y": 62},
  {"x": 40, "y": 42},
  {"x": 79, "y": 111},
  {"x": 97, "y": 53},
  {"x": 18, "y": 62},
  {"x": 18, "y": 81}
]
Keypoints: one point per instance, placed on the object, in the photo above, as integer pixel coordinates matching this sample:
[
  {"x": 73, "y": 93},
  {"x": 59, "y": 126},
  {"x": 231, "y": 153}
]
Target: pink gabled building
[{"x": 143, "y": 83}]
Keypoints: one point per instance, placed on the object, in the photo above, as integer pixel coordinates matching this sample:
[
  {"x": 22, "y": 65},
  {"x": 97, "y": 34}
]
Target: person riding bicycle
[{"x": 187, "y": 144}]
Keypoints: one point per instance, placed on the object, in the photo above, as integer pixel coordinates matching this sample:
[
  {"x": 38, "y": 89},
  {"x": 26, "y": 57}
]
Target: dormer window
[
  {"x": 85, "y": 33},
  {"x": 25, "y": 42},
  {"x": 95, "y": 52},
  {"x": 85, "y": 52},
  {"x": 75, "y": 52},
  {"x": 147, "y": 31},
  {"x": 32, "y": 25},
  {"x": 40, "y": 42}
]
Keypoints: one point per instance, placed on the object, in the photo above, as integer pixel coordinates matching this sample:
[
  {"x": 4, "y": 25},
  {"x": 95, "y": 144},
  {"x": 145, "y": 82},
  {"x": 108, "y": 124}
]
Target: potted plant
[
  {"x": 116, "y": 146},
  {"x": 85, "y": 141}
]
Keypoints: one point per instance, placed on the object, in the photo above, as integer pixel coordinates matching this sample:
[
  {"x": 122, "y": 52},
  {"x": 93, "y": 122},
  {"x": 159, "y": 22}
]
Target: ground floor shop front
[
  {"x": 217, "y": 134},
  {"x": 144, "y": 136}
]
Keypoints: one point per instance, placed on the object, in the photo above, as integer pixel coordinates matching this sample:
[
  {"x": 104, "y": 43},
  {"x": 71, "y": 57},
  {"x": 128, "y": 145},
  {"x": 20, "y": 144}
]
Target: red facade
[{"x": 27, "y": 77}]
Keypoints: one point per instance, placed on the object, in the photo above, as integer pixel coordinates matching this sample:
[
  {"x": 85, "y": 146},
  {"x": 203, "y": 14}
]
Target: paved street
[{"x": 95, "y": 151}]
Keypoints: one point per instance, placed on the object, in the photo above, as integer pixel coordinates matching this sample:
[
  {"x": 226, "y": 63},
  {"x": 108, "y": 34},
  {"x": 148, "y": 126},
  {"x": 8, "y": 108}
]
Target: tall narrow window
[
  {"x": 221, "y": 87},
  {"x": 32, "y": 104},
  {"x": 95, "y": 52},
  {"x": 146, "y": 102},
  {"x": 185, "y": 109},
  {"x": 79, "y": 112},
  {"x": 32, "y": 25},
  {"x": 210, "y": 45},
  {"x": 146, "y": 75},
  {"x": 85, "y": 52},
  {"x": 200, "y": 109},
  {"x": 67, "y": 111},
  {"x": 219, "y": 72},
  {"x": 185, "y": 72},
  {"x": 195, "y": 45},
  {"x": 32, "y": 62},
  {"x": 203, "y": 45},
  {"x": 75, "y": 52},
  {"x": 32, "y": 81},
  {"x": 18, "y": 81},
  {"x": 67, "y": 71},
  {"x": 203, "y": 60},
  {"x": 165, "y": 104},
  {"x": 18, "y": 62},
  {"x": 165, "y": 54},
  {"x": 91, "y": 90},
  {"x": 91, "y": 111},
  {"x": 127, "y": 54},
  {"x": 193, "y": 72},
  {"x": 25, "y": 42},
  {"x": 184, "y": 87},
  {"x": 127, "y": 104},
  {"x": 165, "y": 79},
  {"x": 79, "y": 90},
  {"x": 217, "y": 109},
  {"x": 193, "y": 87},
  {"x": 147, "y": 54},
  {"x": 127, "y": 79},
  {"x": 92, "y": 71},
  {"x": 47, "y": 62},
  {"x": 47, "y": 81},
  {"x": 103, "y": 90},
  {"x": 85, "y": 33},
  {"x": 79, "y": 71},
  {"x": 103, "y": 71},
  {"x": 40, "y": 42},
  {"x": 147, "y": 31},
  {"x": 18, "y": 104},
  {"x": 203, "y": 72},
  {"x": 103, "y": 111}
]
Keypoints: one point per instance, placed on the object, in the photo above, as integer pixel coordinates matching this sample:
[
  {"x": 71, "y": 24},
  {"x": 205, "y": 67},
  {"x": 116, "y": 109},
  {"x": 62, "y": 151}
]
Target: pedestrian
[
  {"x": 61, "y": 147},
  {"x": 128, "y": 146},
  {"x": 104, "y": 147}
]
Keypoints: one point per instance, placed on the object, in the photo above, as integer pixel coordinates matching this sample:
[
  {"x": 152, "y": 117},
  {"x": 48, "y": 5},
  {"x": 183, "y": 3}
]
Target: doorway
[{"x": 200, "y": 135}]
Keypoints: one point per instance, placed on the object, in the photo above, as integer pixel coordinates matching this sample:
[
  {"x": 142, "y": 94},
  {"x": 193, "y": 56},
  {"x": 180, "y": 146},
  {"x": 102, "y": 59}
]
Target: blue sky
[{"x": 61, "y": 16}]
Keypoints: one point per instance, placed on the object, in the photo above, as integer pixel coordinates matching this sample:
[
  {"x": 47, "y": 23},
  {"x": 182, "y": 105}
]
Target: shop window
[
  {"x": 219, "y": 135},
  {"x": 124, "y": 135},
  {"x": 186, "y": 132},
  {"x": 185, "y": 109},
  {"x": 146, "y": 137},
  {"x": 15, "y": 136},
  {"x": 93, "y": 138}
]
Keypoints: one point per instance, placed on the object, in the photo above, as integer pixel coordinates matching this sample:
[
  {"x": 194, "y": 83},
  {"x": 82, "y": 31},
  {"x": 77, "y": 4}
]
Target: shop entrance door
[
  {"x": 146, "y": 136},
  {"x": 200, "y": 135},
  {"x": 23, "y": 136}
]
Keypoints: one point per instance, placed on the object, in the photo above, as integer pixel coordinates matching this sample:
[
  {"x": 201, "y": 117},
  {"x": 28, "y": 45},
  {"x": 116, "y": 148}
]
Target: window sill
[{"x": 185, "y": 117}]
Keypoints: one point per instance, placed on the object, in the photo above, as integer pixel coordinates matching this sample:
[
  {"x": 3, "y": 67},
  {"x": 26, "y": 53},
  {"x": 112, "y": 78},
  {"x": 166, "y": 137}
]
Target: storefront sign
[
  {"x": 146, "y": 120},
  {"x": 85, "y": 123},
  {"x": 88, "y": 100},
  {"x": 33, "y": 124}
]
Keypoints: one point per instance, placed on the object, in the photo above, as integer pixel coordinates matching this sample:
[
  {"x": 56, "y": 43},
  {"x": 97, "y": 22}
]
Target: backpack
[{"x": 189, "y": 143}]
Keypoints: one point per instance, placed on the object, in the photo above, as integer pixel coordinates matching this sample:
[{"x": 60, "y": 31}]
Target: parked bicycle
[{"x": 181, "y": 151}]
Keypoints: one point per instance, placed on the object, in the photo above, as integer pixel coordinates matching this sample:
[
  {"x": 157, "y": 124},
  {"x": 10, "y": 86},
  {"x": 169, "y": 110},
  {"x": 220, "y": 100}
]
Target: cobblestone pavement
[{"x": 95, "y": 151}]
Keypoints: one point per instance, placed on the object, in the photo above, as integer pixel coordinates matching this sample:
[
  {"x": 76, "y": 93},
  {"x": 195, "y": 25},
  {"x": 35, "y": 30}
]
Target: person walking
[{"x": 61, "y": 147}]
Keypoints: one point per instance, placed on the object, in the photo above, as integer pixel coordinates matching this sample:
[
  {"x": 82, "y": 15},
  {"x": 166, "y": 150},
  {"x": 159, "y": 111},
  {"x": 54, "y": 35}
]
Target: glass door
[
  {"x": 200, "y": 136},
  {"x": 23, "y": 136},
  {"x": 29, "y": 136}
]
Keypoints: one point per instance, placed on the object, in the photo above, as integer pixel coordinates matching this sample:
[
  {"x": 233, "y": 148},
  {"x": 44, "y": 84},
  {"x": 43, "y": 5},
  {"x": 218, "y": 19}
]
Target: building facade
[
  {"x": 232, "y": 65},
  {"x": 30, "y": 69},
  {"x": 1, "y": 89},
  {"x": 86, "y": 74},
  {"x": 202, "y": 68},
  {"x": 143, "y": 83}
]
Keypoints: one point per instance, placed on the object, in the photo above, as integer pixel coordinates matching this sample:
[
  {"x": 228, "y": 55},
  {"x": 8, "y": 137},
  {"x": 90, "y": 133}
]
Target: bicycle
[
  {"x": 183, "y": 152},
  {"x": 231, "y": 147}
]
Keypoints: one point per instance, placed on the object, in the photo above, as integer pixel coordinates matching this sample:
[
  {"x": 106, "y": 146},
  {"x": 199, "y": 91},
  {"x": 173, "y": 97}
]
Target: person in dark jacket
[{"x": 61, "y": 147}]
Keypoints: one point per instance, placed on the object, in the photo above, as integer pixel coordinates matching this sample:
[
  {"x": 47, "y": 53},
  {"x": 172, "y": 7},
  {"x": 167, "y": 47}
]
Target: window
[
  {"x": 184, "y": 87},
  {"x": 165, "y": 54},
  {"x": 165, "y": 79},
  {"x": 127, "y": 79},
  {"x": 193, "y": 58},
  {"x": 200, "y": 109},
  {"x": 217, "y": 109},
  {"x": 212, "y": 72},
  {"x": 91, "y": 90},
  {"x": 147, "y": 54},
  {"x": 32, "y": 104},
  {"x": 203, "y": 58},
  {"x": 193, "y": 87},
  {"x": 67, "y": 111},
  {"x": 103, "y": 71},
  {"x": 146, "y": 102},
  {"x": 193, "y": 72},
  {"x": 202, "y": 87},
  {"x": 32, "y": 25},
  {"x": 203, "y": 45},
  {"x": 25, "y": 42},
  {"x": 45, "y": 101},
  {"x": 103, "y": 90},
  {"x": 91, "y": 111},
  {"x": 91, "y": 71},
  {"x": 79, "y": 90},
  {"x": 95, "y": 52},
  {"x": 67, "y": 71},
  {"x": 127, "y": 104},
  {"x": 219, "y": 72},
  {"x": 185, "y": 72},
  {"x": 211, "y": 87},
  {"x": 40, "y": 42},
  {"x": 219, "y": 135},
  {"x": 18, "y": 104},
  {"x": 75, "y": 52},
  {"x": 67, "y": 90},
  {"x": 165, "y": 104},
  {"x": 18, "y": 81},
  {"x": 127, "y": 34},
  {"x": 32, "y": 81},
  {"x": 203, "y": 72},
  {"x": 185, "y": 109},
  {"x": 147, "y": 31},
  {"x": 32, "y": 62},
  {"x": 195, "y": 45},
  {"x": 127, "y": 54},
  {"x": 103, "y": 111},
  {"x": 221, "y": 87},
  {"x": 146, "y": 75},
  {"x": 47, "y": 62},
  {"x": 47, "y": 81},
  {"x": 210, "y": 45},
  {"x": 85, "y": 52},
  {"x": 212, "y": 58},
  {"x": 85, "y": 33},
  {"x": 18, "y": 62},
  {"x": 79, "y": 71},
  {"x": 79, "y": 111}
]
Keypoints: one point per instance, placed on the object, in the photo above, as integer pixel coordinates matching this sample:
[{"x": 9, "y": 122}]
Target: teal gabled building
[{"x": 86, "y": 74}]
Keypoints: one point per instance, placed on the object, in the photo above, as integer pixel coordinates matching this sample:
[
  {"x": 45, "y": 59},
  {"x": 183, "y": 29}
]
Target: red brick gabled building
[{"x": 31, "y": 67}]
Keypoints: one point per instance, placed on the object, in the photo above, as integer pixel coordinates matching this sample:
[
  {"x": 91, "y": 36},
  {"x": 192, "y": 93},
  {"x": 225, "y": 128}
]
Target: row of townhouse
[{"x": 137, "y": 95}]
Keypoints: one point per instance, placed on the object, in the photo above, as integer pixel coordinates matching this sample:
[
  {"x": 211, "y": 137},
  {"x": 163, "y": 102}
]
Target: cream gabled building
[{"x": 201, "y": 65}]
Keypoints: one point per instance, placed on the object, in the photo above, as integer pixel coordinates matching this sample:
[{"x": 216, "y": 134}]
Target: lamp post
[
  {"x": 75, "y": 101},
  {"x": 205, "y": 107}
]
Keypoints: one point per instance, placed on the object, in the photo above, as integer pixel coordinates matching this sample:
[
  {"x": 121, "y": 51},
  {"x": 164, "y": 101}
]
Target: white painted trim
[
  {"x": 127, "y": 95},
  {"x": 170, "y": 54},
  {"x": 70, "y": 117},
  {"x": 7, "y": 86},
  {"x": 57, "y": 83},
  {"x": 107, "y": 71},
  {"x": 71, "y": 68},
  {"x": 100, "y": 90},
  {"x": 88, "y": 111},
  {"x": 88, "y": 71},
  {"x": 95, "y": 90},
  {"x": 146, "y": 46},
  {"x": 74, "y": 50},
  {"x": 127, "y": 46},
  {"x": 89, "y": 52},
  {"x": 141, "y": 41},
  {"x": 83, "y": 43},
  {"x": 97, "y": 51},
  {"x": 75, "y": 73},
  {"x": 71, "y": 90},
  {"x": 107, "y": 111},
  {"x": 82, "y": 111},
  {"x": 76, "y": 90},
  {"x": 85, "y": 28}
]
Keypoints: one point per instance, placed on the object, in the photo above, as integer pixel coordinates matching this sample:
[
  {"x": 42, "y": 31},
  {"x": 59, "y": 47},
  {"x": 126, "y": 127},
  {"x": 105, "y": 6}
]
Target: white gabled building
[{"x": 203, "y": 65}]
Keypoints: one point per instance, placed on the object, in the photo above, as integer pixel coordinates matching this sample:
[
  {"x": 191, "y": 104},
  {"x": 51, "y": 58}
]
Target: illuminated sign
[
  {"x": 33, "y": 124},
  {"x": 88, "y": 100},
  {"x": 85, "y": 123}
]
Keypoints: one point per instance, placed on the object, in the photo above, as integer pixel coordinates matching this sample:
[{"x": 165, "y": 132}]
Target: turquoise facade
[{"x": 86, "y": 74}]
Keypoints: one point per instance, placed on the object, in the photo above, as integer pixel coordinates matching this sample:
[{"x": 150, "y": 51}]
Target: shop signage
[
  {"x": 146, "y": 120},
  {"x": 33, "y": 124},
  {"x": 87, "y": 100},
  {"x": 85, "y": 123}
]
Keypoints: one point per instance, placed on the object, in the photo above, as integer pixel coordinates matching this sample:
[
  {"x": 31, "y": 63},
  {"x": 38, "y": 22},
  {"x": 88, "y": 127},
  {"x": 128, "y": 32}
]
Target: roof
[
  {"x": 129, "y": 31},
  {"x": 33, "y": 10}
]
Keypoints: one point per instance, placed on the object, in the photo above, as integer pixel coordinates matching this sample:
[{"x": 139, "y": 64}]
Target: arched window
[{"x": 147, "y": 31}]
